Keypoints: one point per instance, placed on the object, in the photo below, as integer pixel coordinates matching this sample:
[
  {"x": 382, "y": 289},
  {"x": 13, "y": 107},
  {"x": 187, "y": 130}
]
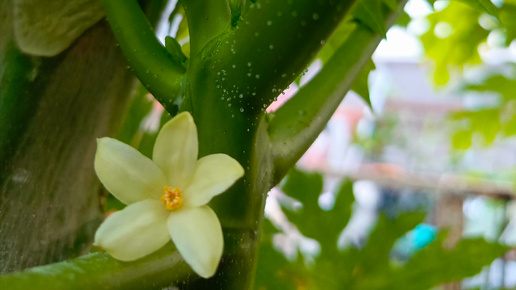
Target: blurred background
[{"x": 437, "y": 136}]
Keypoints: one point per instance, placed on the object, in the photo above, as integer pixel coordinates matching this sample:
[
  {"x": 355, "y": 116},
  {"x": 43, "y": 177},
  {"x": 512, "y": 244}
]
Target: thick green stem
[
  {"x": 206, "y": 21},
  {"x": 274, "y": 41},
  {"x": 158, "y": 71},
  {"x": 295, "y": 126},
  {"x": 230, "y": 82}
]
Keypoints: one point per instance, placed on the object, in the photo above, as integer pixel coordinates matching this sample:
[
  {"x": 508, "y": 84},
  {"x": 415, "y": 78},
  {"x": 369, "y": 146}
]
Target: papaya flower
[{"x": 166, "y": 197}]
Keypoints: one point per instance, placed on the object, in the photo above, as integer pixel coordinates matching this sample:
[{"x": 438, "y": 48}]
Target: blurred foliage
[
  {"x": 483, "y": 126},
  {"x": 370, "y": 267},
  {"x": 452, "y": 42},
  {"x": 455, "y": 33},
  {"x": 452, "y": 39},
  {"x": 383, "y": 135},
  {"x": 182, "y": 35},
  {"x": 370, "y": 14},
  {"x": 140, "y": 107}
]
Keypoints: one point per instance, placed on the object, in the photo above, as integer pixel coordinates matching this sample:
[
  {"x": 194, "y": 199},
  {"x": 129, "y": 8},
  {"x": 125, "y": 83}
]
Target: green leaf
[
  {"x": 436, "y": 265},
  {"x": 370, "y": 267},
  {"x": 323, "y": 226},
  {"x": 392, "y": 4},
  {"x": 274, "y": 271},
  {"x": 507, "y": 12},
  {"x": 174, "y": 48},
  {"x": 140, "y": 107},
  {"x": 361, "y": 84},
  {"x": 486, "y": 122},
  {"x": 483, "y": 6},
  {"x": 460, "y": 47},
  {"x": 403, "y": 20},
  {"x": 462, "y": 139},
  {"x": 46, "y": 28},
  {"x": 369, "y": 13}
]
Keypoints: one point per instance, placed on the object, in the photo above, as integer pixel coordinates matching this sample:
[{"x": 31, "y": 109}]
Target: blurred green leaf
[
  {"x": 274, "y": 270},
  {"x": 457, "y": 40},
  {"x": 174, "y": 49},
  {"x": 507, "y": 12},
  {"x": 369, "y": 268},
  {"x": 140, "y": 107},
  {"x": 361, "y": 84},
  {"x": 462, "y": 139},
  {"x": 369, "y": 13},
  {"x": 182, "y": 34},
  {"x": 392, "y": 4},
  {"x": 324, "y": 226},
  {"x": 486, "y": 122},
  {"x": 436, "y": 265},
  {"x": 483, "y": 6},
  {"x": 491, "y": 122},
  {"x": 497, "y": 83},
  {"x": 403, "y": 20}
]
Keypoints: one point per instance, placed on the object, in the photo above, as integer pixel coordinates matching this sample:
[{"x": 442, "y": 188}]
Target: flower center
[{"x": 172, "y": 197}]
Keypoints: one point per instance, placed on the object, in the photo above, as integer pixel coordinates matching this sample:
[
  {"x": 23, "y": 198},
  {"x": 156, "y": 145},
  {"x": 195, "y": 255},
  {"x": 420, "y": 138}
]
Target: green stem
[
  {"x": 206, "y": 21},
  {"x": 296, "y": 125},
  {"x": 101, "y": 271},
  {"x": 159, "y": 72},
  {"x": 161, "y": 269}
]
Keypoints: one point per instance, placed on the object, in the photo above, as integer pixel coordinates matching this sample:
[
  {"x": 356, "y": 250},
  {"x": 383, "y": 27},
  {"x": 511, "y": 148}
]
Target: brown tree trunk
[{"x": 51, "y": 112}]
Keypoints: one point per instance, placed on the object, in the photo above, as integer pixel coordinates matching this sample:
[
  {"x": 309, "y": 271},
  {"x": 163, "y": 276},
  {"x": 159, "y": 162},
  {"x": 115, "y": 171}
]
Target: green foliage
[
  {"x": 371, "y": 14},
  {"x": 369, "y": 267},
  {"x": 483, "y": 6},
  {"x": 361, "y": 84},
  {"x": 324, "y": 226},
  {"x": 507, "y": 12},
  {"x": 458, "y": 48},
  {"x": 488, "y": 123},
  {"x": 452, "y": 52},
  {"x": 140, "y": 107}
]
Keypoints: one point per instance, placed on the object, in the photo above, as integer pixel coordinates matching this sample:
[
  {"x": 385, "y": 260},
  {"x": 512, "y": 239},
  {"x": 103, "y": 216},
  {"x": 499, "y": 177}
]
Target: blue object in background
[{"x": 420, "y": 237}]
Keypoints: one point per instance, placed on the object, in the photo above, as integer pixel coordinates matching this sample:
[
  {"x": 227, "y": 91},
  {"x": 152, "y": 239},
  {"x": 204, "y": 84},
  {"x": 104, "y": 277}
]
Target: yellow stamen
[{"x": 172, "y": 197}]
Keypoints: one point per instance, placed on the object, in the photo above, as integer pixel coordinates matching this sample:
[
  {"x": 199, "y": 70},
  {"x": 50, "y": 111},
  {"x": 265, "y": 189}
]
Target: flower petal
[
  {"x": 126, "y": 173},
  {"x": 134, "y": 232},
  {"x": 197, "y": 235},
  {"x": 213, "y": 175},
  {"x": 176, "y": 148}
]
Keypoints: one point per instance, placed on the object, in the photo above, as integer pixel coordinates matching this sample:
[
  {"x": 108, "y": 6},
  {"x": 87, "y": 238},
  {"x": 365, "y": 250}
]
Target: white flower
[{"x": 166, "y": 197}]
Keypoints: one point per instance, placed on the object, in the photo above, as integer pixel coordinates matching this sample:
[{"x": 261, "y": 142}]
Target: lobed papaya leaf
[{"x": 371, "y": 266}]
